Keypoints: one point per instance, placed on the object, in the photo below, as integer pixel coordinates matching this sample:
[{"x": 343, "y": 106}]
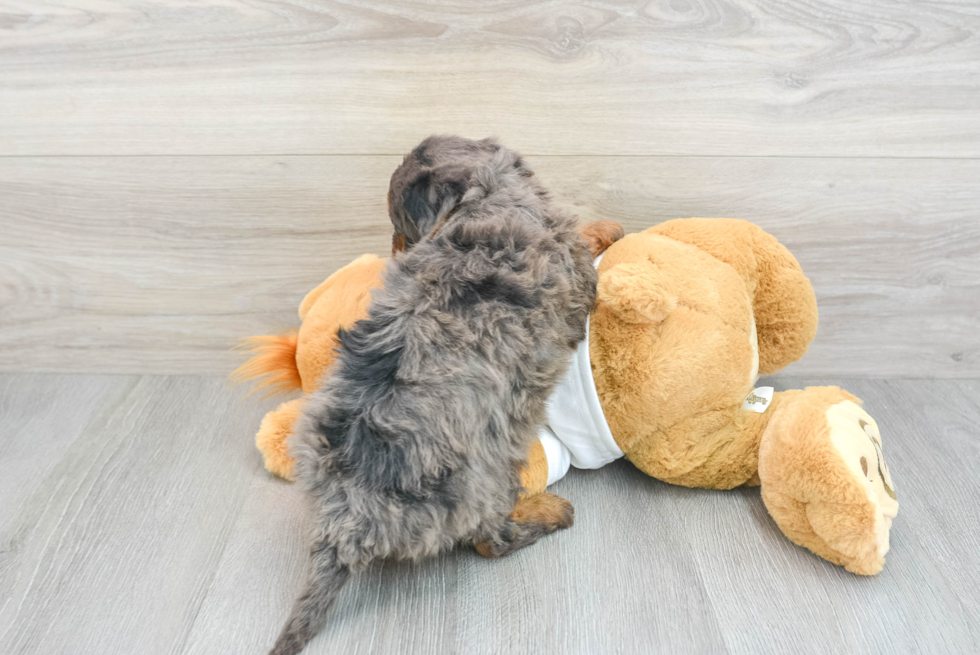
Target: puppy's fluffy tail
[
  {"x": 310, "y": 610},
  {"x": 274, "y": 359}
]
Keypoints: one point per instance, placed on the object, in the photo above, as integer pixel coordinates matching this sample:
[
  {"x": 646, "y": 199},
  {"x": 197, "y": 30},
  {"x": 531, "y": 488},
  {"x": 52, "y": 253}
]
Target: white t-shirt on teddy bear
[{"x": 577, "y": 433}]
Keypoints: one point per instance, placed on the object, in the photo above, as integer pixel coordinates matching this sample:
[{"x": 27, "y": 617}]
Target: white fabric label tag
[{"x": 758, "y": 399}]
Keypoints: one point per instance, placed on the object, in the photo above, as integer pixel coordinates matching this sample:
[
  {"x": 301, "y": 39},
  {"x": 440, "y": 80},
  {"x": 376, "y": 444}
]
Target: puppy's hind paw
[
  {"x": 548, "y": 510},
  {"x": 531, "y": 519}
]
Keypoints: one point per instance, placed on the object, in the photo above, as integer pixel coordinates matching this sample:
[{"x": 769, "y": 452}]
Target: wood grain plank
[
  {"x": 160, "y": 264},
  {"x": 772, "y": 597},
  {"x": 610, "y": 584},
  {"x": 622, "y": 580},
  {"x": 157, "y": 531},
  {"x": 701, "y": 77},
  {"x": 121, "y": 539},
  {"x": 40, "y": 417},
  {"x": 264, "y": 567},
  {"x": 892, "y": 248},
  {"x": 939, "y": 444}
]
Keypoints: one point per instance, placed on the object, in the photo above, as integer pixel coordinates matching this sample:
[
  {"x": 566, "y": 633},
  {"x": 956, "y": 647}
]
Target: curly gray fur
[{"x": 415, "y": 442}]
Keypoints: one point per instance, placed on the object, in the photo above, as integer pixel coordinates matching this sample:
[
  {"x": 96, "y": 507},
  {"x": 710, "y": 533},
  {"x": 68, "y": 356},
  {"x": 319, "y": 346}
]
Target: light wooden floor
[
  {"x": 137, "y": 518},
  {"x": 176, "y": 174}
]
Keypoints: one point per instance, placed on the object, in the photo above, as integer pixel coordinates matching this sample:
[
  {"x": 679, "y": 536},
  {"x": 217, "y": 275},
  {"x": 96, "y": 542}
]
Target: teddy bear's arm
[{"x": 637, "y": 292}]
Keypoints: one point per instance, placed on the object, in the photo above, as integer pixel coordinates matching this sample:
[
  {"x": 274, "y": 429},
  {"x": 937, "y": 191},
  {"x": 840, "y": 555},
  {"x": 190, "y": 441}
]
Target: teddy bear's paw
[
  {"x": 637, "y": 292},
  {"x": 272, "y": 437}
]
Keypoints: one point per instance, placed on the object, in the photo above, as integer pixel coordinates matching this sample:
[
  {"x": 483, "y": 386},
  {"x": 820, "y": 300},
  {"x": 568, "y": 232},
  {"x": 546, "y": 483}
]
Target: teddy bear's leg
[
  {"x": 785, "y": 307},
  {"x": 824, "y": 478},
  {"x": 732, "y": 461},
  {"x": 636, "y": 292},
  {"x": 784, "y": 304},
  {"x": 273, "y": 434}
]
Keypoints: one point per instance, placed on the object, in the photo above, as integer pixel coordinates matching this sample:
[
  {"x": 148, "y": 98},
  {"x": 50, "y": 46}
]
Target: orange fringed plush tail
[{"x": 274, "y": 359}]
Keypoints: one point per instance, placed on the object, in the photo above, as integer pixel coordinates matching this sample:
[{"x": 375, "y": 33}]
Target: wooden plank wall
[{"x": 175, "y": 175}]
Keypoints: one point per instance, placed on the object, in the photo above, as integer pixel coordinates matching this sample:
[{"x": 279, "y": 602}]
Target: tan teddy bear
[{"x": 688, "y": 314}]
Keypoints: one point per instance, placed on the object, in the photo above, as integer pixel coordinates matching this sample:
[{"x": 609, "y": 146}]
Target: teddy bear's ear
[
  {"x": 599, "y": 235},
  {"x": 637, "y": 292}
]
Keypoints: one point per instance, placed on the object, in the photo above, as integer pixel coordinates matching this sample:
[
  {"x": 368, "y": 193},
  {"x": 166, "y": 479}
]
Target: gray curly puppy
[{"x": 414, "y": 443}]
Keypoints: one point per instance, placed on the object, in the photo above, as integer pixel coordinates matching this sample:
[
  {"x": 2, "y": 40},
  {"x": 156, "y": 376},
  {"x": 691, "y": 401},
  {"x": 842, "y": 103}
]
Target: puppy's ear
[
  {"x": 425, "y": 200},
  {"x": 417, "y": 202}
]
